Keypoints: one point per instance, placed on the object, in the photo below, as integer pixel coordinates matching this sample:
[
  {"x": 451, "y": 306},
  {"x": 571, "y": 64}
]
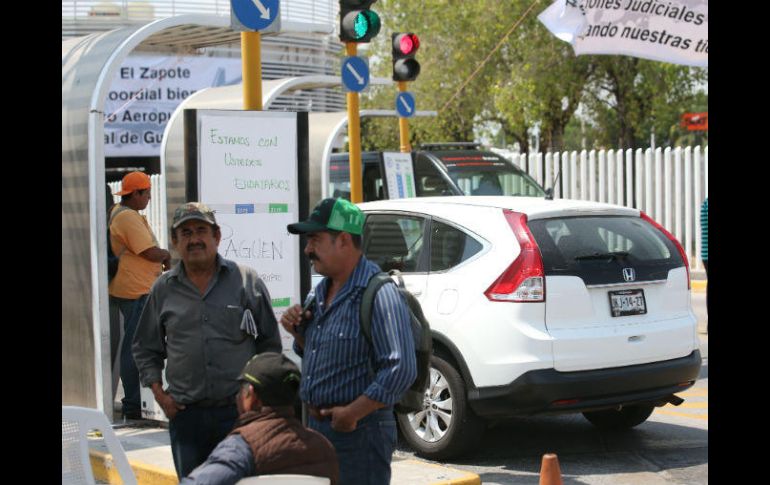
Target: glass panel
[
  {"x": 394, "y": 242},
  {"x": 450, "y": 246}
]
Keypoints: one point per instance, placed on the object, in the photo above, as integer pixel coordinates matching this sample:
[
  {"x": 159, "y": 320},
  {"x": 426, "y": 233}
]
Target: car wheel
[
  {"x": 626, "y": 417},
  {"x": 446, "y": 426}
]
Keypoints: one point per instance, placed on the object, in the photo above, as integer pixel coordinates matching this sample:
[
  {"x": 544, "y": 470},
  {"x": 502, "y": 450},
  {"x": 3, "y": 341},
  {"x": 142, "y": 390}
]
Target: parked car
[
  {"x": 439, "y": 169},
  {"x": 538, "y": 306}
]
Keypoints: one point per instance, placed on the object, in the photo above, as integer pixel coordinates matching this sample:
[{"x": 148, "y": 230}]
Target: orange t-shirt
[{"x": 130, "y": 234}]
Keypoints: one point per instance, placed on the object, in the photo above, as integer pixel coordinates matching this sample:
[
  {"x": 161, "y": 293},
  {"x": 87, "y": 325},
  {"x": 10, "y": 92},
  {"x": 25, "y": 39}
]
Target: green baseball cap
[{"x": 331, "y": 214}]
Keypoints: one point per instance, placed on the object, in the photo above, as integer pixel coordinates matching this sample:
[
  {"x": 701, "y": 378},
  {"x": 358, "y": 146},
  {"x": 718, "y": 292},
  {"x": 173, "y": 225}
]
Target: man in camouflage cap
[{"x": 207, "y": 316}]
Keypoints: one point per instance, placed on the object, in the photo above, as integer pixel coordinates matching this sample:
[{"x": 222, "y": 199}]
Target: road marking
[
  {"x": 694, "y": 392},
  {"x": 684, "y": 415},
  {"x": 690, "y": 405}
]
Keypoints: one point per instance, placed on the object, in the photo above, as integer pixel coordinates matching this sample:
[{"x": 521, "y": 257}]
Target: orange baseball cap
[{"x": 134, "y": 181}]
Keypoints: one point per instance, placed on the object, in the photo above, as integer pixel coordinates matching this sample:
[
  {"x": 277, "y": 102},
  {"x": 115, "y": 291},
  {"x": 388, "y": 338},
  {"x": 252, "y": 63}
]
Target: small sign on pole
[
  {"x": 405, "y": 104},
  {"x": 355, "y": 74},
  {"x": 255, "y": 15}
]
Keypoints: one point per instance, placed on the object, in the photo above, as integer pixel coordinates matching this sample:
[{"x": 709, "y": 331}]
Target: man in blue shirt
[{"x": 350, "y": 386}]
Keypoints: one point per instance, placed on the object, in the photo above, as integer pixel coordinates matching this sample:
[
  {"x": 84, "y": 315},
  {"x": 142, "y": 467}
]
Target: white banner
[
  {"x": 147, "y": 90},
  {"x": 674, "y": 31}
]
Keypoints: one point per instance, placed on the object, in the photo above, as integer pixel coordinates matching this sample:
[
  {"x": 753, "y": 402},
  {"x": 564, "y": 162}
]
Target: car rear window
[
  {"x": 597, "y": 249},
  {"x": 488, "y": 174}
]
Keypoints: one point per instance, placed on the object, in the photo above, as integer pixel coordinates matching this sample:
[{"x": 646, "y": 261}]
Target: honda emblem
[{"x": 629, "y": 274}]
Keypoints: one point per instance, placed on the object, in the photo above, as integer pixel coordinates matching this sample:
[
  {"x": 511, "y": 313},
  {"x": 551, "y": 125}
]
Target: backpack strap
[
  {"x": 114, "y": 213},
  {"x": 367, "y": 303}
]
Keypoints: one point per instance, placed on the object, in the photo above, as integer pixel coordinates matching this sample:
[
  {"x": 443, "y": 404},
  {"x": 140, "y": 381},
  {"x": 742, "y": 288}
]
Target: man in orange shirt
[{"x": 141, "y": 262}]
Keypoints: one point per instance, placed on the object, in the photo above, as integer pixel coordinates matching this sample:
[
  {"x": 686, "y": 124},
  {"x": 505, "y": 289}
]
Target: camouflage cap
[
  {"x": 193, "y": 210},
  {"x": 331, "y": 214},
  {"x": 274, "y": 376}
]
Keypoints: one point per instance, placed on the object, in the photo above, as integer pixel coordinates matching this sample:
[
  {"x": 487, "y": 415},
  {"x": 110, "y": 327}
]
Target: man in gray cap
[
  {"x": 207, "y": 316},
  {"x": 268, "y": 439}
]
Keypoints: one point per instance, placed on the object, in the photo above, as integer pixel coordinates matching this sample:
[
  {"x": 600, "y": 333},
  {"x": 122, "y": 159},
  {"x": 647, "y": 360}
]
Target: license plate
[{"x": 627, "y": 302}]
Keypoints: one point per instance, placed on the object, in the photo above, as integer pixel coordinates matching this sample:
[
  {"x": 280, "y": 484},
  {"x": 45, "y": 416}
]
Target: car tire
[
  {"x": 625, "y": 418},
  {"x": 447, "y": 426}
]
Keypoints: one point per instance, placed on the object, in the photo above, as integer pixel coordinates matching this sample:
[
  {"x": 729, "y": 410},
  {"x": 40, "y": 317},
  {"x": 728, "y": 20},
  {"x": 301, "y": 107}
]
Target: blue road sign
[
  {"x": 355, "y": 74},
  {"x": 255, "y": 14},
  {"x": 405, "y": 104}
]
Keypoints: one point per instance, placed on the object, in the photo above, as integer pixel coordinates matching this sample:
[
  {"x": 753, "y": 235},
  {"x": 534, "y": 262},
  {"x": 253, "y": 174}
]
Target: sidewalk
[{"x": 148, "y": 450}]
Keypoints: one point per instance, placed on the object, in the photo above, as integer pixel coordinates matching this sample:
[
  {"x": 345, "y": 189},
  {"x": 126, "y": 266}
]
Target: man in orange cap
[{"x": 141, "y": 262}]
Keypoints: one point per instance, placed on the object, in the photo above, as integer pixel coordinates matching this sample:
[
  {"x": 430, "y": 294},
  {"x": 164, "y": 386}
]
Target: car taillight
[
  {"x": 524, "y": 279},
  {"x": 674, "y": 240}
]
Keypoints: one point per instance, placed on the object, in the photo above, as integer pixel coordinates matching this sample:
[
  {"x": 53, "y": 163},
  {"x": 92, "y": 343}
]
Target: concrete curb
[
  {"x": 105, "y": 470},
  {"x": 465, "y": 478}
]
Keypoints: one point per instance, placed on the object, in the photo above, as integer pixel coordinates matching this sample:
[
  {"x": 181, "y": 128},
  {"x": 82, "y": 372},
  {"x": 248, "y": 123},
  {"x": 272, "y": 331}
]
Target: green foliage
[{"x": 532, "y": 78}]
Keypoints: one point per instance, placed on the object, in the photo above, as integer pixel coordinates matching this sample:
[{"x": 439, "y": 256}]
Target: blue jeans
[
  {"x": 364, "y": 455},
  {"x": 129, "y": 374},
  {"x": 195, "y": 432}
]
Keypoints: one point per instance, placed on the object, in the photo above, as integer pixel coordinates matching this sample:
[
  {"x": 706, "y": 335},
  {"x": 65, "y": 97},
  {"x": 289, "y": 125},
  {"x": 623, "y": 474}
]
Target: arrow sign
[
  {"x": 405, "y": 104},
  {"x": 355, "y": 73},
  {"x": 253, "y": 14}
]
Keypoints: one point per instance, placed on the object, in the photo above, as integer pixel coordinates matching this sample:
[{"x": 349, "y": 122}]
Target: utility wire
[{"x": 499, "y": 44}]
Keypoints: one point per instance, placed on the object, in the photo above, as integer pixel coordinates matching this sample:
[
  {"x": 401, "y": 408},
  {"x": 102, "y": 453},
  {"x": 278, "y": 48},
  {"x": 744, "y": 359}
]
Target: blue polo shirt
[{"x": 338, "y": 363}]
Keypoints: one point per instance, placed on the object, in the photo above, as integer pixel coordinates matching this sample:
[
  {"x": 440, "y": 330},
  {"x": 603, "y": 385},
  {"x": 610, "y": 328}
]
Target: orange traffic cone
[{"x": 550, "y": 474}]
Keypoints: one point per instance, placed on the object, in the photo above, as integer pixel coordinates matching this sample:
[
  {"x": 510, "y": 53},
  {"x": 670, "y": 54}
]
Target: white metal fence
[
  {"x": 155, "y": 210},
  {"x": 668, "y": 184}
]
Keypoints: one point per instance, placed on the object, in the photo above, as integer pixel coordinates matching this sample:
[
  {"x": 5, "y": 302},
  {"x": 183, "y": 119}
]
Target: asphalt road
[{"x": 671, "y": 447}]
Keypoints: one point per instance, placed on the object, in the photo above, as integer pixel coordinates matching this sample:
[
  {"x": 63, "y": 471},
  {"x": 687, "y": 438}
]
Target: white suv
[{"x": 538, "y": 306}]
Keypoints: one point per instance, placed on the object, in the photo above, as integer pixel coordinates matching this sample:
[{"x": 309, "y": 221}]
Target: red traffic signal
[{"x": 405, "y": 66}]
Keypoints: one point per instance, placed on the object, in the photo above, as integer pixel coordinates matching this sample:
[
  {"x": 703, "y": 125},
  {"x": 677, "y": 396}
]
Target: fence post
[
  {"x": 629, "y": 176},
  {"x": 648, "y": 200},
  {"x": 602, "y": 176},
  {"x": 583, "y": 175},
  {"x": 659, "y": 181},
  {"x": 678, "y": 193},
  {"x": 667, "y": 201},
  {"x": 698, "y": 201},
  {"x": 639, "y": 179},
  {"x": 611, "y": 176},
  {"x": 688, "y": 203},
  {"x": 592, "y": 175},
  {"x": 573, "y": 175}
]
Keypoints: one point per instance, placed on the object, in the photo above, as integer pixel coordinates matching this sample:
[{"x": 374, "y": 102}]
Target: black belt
[{"x": 215, "y": 403}]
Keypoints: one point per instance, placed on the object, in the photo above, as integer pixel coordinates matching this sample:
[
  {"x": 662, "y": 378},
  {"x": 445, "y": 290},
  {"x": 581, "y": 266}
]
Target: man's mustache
[
  {"x": 190, "y": 247},
  {"x": 313, "y": 257}
]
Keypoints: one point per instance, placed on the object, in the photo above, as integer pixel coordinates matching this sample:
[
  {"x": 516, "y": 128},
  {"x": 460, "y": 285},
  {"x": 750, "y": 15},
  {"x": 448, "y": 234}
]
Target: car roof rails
[{"x": 461, "y": 145}]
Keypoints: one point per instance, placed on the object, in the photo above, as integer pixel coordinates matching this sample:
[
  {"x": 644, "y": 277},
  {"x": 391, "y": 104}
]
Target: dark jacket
[{"x": 281, "y": 445}]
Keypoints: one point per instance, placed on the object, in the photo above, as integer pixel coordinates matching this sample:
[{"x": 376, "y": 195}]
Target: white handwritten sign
[{"x": 247, "y": 172}]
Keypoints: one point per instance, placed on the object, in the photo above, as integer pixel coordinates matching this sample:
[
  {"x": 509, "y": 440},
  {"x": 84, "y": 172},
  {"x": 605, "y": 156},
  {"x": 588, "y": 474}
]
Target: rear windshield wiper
[{"x": 610, "y": 255}]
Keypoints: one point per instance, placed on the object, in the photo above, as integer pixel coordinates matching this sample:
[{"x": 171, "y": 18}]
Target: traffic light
[
  {"x": 357, "y": 22},
  {"x": 405, "y": 66}
]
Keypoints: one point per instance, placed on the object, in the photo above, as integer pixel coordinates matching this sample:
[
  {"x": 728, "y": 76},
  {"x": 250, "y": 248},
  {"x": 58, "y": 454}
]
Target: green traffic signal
[{"x": 357, "y": 22}]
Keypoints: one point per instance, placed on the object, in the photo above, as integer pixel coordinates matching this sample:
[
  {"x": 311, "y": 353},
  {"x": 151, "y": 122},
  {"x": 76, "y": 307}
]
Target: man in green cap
[{"x": 348, "y": 384}]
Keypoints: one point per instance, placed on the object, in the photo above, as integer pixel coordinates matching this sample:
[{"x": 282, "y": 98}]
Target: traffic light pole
[
  {"x": 251, "y": 67},
  {"x": 403, "y": 125},
  {"x": 354, "y": 136}
]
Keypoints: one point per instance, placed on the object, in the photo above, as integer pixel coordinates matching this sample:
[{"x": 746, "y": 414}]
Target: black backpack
[
  {"x": 412, "y": 400},
  {"x": 112, "y": 260}
]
